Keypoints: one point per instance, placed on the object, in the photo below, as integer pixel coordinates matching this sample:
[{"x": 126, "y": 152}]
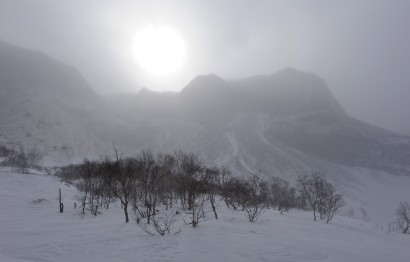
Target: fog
[{"x": 360, "y": 48}]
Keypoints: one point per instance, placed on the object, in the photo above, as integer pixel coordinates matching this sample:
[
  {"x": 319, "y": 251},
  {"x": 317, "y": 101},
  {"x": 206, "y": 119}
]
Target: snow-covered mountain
[
  {"x": 284, "y": 124},
  {"x": 48, "y": 105},
  {"x": 278, "y": 124}
]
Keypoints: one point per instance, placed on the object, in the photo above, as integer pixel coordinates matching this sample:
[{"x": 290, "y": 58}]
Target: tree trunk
[
  {"x": 214, "y": 209},
  {"x": 125, "y": 204},
  {"x": 406, "y": 229},
  {"x": 61, "y": 205},
  {"x": 193, "y": 218},
  {"x": 83, "y": 205},
  {"x": 226, "y": 203}
]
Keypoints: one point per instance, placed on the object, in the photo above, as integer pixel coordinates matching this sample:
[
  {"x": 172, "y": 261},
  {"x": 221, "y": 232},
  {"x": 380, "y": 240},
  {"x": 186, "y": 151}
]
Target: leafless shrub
[
  {"x": 162, "y": 224},
  {"x": 321, "y": 196},
  {"x": 282, "y": 195},
  {"x": 20, "y": 161},
  {"x": 364, "y": 215},
  {"x": 403, "y": 217},
  {"x": 255, "y": 201}
]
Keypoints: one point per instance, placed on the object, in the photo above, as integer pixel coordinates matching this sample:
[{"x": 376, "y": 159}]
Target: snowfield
[{"x": 32, "y": 229}]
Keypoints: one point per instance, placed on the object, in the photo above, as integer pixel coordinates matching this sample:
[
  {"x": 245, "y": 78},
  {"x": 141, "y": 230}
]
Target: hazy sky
[{"x": 360, "y": 48}]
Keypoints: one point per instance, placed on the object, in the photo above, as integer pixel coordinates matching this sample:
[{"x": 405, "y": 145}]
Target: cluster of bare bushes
[
  {"x": 402, "y": 222},
  {"x": 151, "y": 182},
  {"x": 20, "y": 160}
]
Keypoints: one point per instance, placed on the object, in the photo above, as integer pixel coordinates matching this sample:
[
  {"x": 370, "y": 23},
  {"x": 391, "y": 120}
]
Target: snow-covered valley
[{"x": 32, "y": 229}]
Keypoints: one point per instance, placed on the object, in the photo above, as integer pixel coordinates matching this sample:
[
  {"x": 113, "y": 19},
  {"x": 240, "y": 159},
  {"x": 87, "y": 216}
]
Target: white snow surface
[{"x": 38, "y": 232}]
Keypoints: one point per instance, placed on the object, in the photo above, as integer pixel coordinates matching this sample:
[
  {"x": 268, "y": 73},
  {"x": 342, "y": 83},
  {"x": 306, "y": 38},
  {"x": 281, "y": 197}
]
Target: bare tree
[
  {"x": 189, "y": 173},
  {"x": 18, "y": 161},
  {"x": 191, "y": 189},
  {"x": 34, "y": 157},
  {"x": 321, "y": 196},
  {"x": 363, "y": 212},
  {"x": 84, "y": 185},
  {"x": 197, "y": 210},
  {"x": 163, "y": 223},
  {"x": 251, "y": 194},
  {"x": 234, "y": 192},
  {"x": 121, "y": 174},
  {"x": 125, "y": 182},
  {"x": 225, "y": 177},
  {"x": 149, "y": 179},
  {"x": 307, "y": 190},
  {"x": 403, "y": 216},
  {"x": 282, "y": 196},
  {"x": 5, "y": 151},
  {"x": 211, "y": 182},
  {"x": 256, "y": 198},
  {"x": 166, "y": 182},
  {"x": 332, "y": 203}
]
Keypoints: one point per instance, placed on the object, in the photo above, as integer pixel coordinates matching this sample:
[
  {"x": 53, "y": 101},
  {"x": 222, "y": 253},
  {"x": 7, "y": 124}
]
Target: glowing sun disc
[{"x": 159, "y": 50}]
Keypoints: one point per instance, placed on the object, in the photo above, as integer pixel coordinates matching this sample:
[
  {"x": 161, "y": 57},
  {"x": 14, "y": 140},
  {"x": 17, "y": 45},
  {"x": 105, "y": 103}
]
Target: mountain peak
[
  {"x": 205, "y": 84},
  {"x": 208, "y": 77},
  {"x": 292, "y": 74},
  {"x": 20, "y": 66},
  {"x": 289, "y": 69},
  {"x": 144, "y": 91}
]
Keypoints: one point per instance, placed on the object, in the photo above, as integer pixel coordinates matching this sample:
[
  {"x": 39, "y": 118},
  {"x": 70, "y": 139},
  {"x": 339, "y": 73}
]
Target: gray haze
[{"x": 360, "y": 48}]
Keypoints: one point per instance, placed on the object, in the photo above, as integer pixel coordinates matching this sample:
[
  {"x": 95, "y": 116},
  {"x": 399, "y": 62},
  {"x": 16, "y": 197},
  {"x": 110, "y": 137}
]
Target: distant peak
[
  {"x": 205, "y": 83},
  {"x": 144, "y": 91},
  {"x": 290, "y": 71},
  {"x": 210, "y": 79},
  {"x": 297, "y": 77}
]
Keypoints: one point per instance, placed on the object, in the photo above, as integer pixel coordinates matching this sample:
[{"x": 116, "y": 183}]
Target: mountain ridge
[{"x": 285, "y": 123}]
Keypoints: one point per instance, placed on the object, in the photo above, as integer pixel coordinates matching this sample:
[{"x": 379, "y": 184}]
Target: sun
[{"x": 159, "y": 50}]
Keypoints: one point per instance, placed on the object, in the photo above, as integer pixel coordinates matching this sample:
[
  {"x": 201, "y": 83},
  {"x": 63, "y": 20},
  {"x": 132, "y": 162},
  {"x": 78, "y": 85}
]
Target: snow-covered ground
[
  {"x": 33, "y": 230},
  {"x": 377, "y": 191}
]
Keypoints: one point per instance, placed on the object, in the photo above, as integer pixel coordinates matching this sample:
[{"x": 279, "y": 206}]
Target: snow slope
[{"x": 32, "y": 231}]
